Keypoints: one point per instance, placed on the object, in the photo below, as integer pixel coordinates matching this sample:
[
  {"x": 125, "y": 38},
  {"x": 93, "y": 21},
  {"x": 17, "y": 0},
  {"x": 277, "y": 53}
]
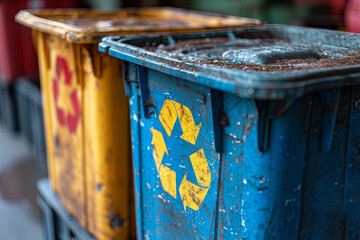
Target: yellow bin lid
[{"x": 89, "y": 26}]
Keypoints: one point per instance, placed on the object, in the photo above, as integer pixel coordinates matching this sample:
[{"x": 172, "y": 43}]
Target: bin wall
[
  {"x": 261, "y": 193},
  {"x": 169, "y": 185},
  {"x": 86, "y": 122},
  {"x": 285, "y": 169}
]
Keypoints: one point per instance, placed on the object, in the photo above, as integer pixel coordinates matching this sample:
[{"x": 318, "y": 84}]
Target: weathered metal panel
[
  {"x": 65, "y": 127},
  {"x": 260, "y": 196},
  {"x": 323, "y": 187},
  {"x": 179, "y": 165},
  {"x": 352, "y": 176}
]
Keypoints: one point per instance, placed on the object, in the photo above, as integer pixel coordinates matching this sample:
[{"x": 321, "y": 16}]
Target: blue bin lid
[{"x": 271, "y": 62}]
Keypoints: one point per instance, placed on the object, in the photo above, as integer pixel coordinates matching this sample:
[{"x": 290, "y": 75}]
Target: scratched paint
[
  {"x": 168, "y": 116},
  {"x": 201, "y": 168},
  {"x": 64, "y": 135},
  {"x": 65, "y": 96},
  {"x": 191, "y": 194},
  {"x": 179, "y": 184},
  {"x": 82, "y": 135}
]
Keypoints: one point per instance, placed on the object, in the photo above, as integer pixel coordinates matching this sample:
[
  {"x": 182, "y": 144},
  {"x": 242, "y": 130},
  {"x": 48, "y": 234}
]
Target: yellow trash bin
[{"x": 86, "y": 110}]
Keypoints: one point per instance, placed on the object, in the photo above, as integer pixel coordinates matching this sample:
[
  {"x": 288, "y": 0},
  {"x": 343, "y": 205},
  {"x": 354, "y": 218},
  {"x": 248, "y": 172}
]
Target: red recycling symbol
[{"x": 65, "y": 118}]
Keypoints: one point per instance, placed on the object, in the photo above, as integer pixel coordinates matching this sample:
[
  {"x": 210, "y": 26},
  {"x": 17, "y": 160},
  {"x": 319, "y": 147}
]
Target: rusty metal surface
[{"x": 86, "y": 26}]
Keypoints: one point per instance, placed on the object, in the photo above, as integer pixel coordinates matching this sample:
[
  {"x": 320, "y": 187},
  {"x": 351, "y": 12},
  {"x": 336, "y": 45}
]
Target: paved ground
[{"x": 19, "y": 171}]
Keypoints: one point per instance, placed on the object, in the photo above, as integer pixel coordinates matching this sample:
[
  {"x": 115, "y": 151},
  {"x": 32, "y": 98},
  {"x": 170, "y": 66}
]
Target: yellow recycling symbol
[{"x": 192, "y": 195}]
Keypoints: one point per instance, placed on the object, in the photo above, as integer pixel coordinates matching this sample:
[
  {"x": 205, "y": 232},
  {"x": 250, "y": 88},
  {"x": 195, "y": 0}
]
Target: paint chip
[
  {"x": 99, "y": 187},
  {"x": 116, "y": 221}
]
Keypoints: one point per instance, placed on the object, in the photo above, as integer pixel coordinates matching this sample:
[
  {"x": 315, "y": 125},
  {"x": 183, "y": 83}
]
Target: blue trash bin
[{"x": 245, "y": 134}]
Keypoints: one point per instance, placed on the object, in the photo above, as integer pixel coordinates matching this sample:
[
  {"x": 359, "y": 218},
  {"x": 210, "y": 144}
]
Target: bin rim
[
  {"x": 247, "y": 84},
  {"x": 40, "y": 20}
]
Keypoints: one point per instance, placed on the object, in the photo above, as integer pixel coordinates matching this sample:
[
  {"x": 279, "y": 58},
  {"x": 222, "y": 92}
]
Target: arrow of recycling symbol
[{"x": 192, "y": 195}]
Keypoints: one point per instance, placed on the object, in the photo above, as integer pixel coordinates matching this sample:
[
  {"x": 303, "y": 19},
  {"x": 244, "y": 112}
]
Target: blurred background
[
  {"x": 22, "y": 147},
  {"x": 317, "y": 13}
]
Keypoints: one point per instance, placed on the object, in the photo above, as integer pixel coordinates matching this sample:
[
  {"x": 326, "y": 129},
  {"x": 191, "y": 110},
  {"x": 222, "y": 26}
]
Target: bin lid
[
  {"x": 266, "y": 62},
  {"x": 89, "y": 26}
]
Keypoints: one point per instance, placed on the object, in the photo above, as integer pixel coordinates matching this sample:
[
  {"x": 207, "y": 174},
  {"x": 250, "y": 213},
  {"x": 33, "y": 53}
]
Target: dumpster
[
  {"x": 18, "y": 57},
  {"x": 244, "y": 134},
  {"x": 86, "y": 110},
  {"x": 57, "y": 222}
]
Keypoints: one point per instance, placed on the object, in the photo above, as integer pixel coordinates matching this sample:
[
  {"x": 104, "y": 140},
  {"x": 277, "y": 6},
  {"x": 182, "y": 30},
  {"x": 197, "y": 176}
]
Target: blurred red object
[
  {"x": 311, "y": 2},
  {"x": 337, "y": 7},
  {"x": 17, "y": 54},
  {"x": 352, "y": 16}
]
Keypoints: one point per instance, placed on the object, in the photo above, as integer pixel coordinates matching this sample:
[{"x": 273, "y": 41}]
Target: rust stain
[
  {"x": 207, "y": 210},
  {"x": 221, "y": 184},
  {"x": 150, "y": 102},
  {"x": 223, "y": 120},
  {"x": 202, "y": 96},
  {"x": 248, "y": 123},
  {"x": 279, "y": 109}
]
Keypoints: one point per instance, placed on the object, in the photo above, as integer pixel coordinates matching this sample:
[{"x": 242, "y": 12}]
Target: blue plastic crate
[
  {"x": 248, "y": 134},
  {"x": 31, "y": 122},
  {"x": 56, "y": 220},
  {"x": 8, "y": 108}
]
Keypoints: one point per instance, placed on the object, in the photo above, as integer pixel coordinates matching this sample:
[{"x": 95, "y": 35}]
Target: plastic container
[
  {"x": 18, "y": 57},
  {"x": 86, "y": 110},
  {"x": 246, "y": 134},
  {"x": 56, "y": 220},
  {"x": 31, "y": 122}
]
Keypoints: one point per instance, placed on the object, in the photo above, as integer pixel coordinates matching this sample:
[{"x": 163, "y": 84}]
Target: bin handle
[
  {"x": 147, "y": 100},
  {"x": 95, "y": 59},
  {"x": 220, "y": 119},
  {"x": 45, "y": 45},
  {"x": 266, "y": 111},
  {"x": 263, "y": 125},
  {"x": 330, "y": 102}
]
